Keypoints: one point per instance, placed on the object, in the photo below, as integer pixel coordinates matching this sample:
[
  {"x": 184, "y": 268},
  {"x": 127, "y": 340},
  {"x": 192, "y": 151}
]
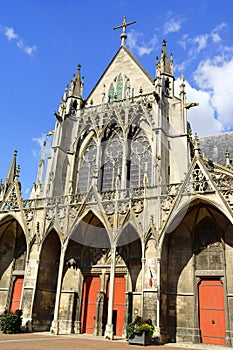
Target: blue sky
[{"x": 43, "y": 41}]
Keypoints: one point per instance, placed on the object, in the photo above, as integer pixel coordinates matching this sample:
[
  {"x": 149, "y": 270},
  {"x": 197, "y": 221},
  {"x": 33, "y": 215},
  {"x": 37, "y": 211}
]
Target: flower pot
[{"x": 140, "y": 338}]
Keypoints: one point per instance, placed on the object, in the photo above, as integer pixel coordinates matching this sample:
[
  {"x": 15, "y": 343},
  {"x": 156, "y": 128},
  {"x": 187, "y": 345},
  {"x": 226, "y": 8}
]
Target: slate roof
[{"x": 214, "y": 147}]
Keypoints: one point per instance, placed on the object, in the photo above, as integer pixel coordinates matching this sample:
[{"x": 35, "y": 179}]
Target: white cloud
[
  {"x": 215, "y": 77},
  {"x": 214, "y": 92},
  {"x": 45, "y": 143},
  {"x": 135, "y": 42},
  {"x": 215, "y": 37},
  {"x": 198, "y": 43},
  {"x": 202, "y": 117},
  {"x": 10, "y": 33},
  {"x": 172, "y": 26},
  {"x": 29, "y": 50}
]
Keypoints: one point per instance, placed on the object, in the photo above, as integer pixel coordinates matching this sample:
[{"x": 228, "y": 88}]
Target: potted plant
[{"x": 140, "y": 331}]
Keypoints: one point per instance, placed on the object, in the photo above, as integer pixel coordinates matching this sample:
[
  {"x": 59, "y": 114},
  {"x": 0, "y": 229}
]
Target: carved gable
[{"x": 123, "y": 78}]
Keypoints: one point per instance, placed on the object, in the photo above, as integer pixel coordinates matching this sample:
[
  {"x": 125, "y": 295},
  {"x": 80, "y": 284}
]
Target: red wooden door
[
  {"x": 118, "y": 304},
  {"x": 212, "y": 312},
  {"x": 16, "y": 294},
  {"x": 90, "y": 288}
]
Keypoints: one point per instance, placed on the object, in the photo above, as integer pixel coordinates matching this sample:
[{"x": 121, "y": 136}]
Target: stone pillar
[
  {"x": 143, "y": 279},
  {"x": 126, "y": 313},
  {"x": 157, "y": 327},
  {"x": 98, "y": 327},
  {"x": 55, "y": 324},
  {"x": 109, "y": 326},
  {"x": 77, "y": 322}
]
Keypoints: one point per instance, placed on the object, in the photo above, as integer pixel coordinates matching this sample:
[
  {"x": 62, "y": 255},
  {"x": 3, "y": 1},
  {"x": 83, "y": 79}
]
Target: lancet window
[
  {"x": 87, "y": 167},
  {"x": 140, "y": 159},
  {"x": 112, "y": 153},
  {"x": 111, "y": 93},
  {"x": 124, "y": 161},
  {"x": 119, "y": 87}
]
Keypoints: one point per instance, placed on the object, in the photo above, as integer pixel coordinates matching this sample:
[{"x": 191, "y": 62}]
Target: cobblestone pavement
[{"x": 42, "y": 341}]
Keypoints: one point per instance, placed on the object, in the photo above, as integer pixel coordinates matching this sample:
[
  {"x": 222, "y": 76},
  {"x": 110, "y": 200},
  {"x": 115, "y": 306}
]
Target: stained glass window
[
  {"x": 111, "y": 93},
  {"x": 112, "y": 162},
  {"x": 119, "y": 87},
  {"x": 87, "y": 167},
  {"x": 140, "y": 161}
]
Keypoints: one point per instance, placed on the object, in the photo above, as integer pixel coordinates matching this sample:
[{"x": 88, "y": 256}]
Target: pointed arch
[
  {"x": 142, "y": 119},
  {"x": 87, "y": 166},
  {"x": 119, "y": 90},
  {"x": 197, "y": 246},
  {"x": 111, "y": 157},
  {"x": 90, "y": 230},
  {"x": 129, "y": 247},
  {"x": 139, "y": 159},
  {"x": 85, "y": 162},
  {"x": 13, "y": 257},
  {"x": 128, "y": 233},
  {"x": 179, "y": 211},
  {"x": 45, "y": 295}
]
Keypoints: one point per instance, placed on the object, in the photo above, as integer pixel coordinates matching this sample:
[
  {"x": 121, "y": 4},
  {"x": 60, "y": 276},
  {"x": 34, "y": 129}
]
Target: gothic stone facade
[{"x": 127, "y": 199}]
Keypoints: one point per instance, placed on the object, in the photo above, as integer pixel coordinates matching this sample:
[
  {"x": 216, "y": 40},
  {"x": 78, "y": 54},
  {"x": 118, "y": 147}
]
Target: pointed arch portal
[
  {"x": 13, "y": 252},
  {"x": 193, "y": 276},
  {"x": 44, "y": 302},
  {"x": 91, "y": 265}
]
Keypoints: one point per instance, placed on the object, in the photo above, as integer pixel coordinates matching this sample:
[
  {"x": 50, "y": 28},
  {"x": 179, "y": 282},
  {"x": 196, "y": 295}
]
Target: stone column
[
  {"x": 109, "y": 326},
  {"x": 157, "y": 328},
  {"x": 143, "y": 260},
  {"x": 55, "y": 324}
]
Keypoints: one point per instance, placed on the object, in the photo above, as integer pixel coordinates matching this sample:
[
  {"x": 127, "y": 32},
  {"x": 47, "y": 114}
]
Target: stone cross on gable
[{"x": 123, "y": 26}]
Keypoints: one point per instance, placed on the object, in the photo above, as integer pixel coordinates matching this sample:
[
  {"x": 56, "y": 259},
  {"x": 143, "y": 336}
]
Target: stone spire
[
  {"x": 227, "y": 155},
  {"x": 164, "y": 73},
  {"x": 41, "y": 166},
  {"x": 10, "y": 177},
  {"x": 166, "y": 64},
  {"x": 76, "y": 85}
]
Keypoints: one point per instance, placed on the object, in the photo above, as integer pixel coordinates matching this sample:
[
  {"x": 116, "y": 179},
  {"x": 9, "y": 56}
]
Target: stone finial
[
  {"x": 182, "y": 84},
  {"x": 196, "y": 146},
  {"x": 227, "y": 155}
]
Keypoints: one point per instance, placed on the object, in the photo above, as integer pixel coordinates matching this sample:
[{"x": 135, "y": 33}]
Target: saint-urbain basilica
[{"x": 130, "y": 214}]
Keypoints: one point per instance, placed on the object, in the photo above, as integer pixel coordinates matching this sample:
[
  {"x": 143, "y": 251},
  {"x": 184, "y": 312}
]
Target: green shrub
[
  {"x": 10, "y": 322},
  {"x": 138, "y": 326}
]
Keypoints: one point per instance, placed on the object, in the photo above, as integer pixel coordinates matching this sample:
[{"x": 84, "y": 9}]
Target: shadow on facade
[
  {"x": 45, "y": 295},
  {"x": 195, "y": 250}
]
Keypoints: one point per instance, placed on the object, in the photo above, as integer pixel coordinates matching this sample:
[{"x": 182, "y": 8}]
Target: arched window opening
[
  {"x": 140, "y": 160},
  {"x": 112, "y": 162},
  {"x": 87, "y": 166},
  {"x": 111, "y": 93},
  {"x": 119, "y": 87}
]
